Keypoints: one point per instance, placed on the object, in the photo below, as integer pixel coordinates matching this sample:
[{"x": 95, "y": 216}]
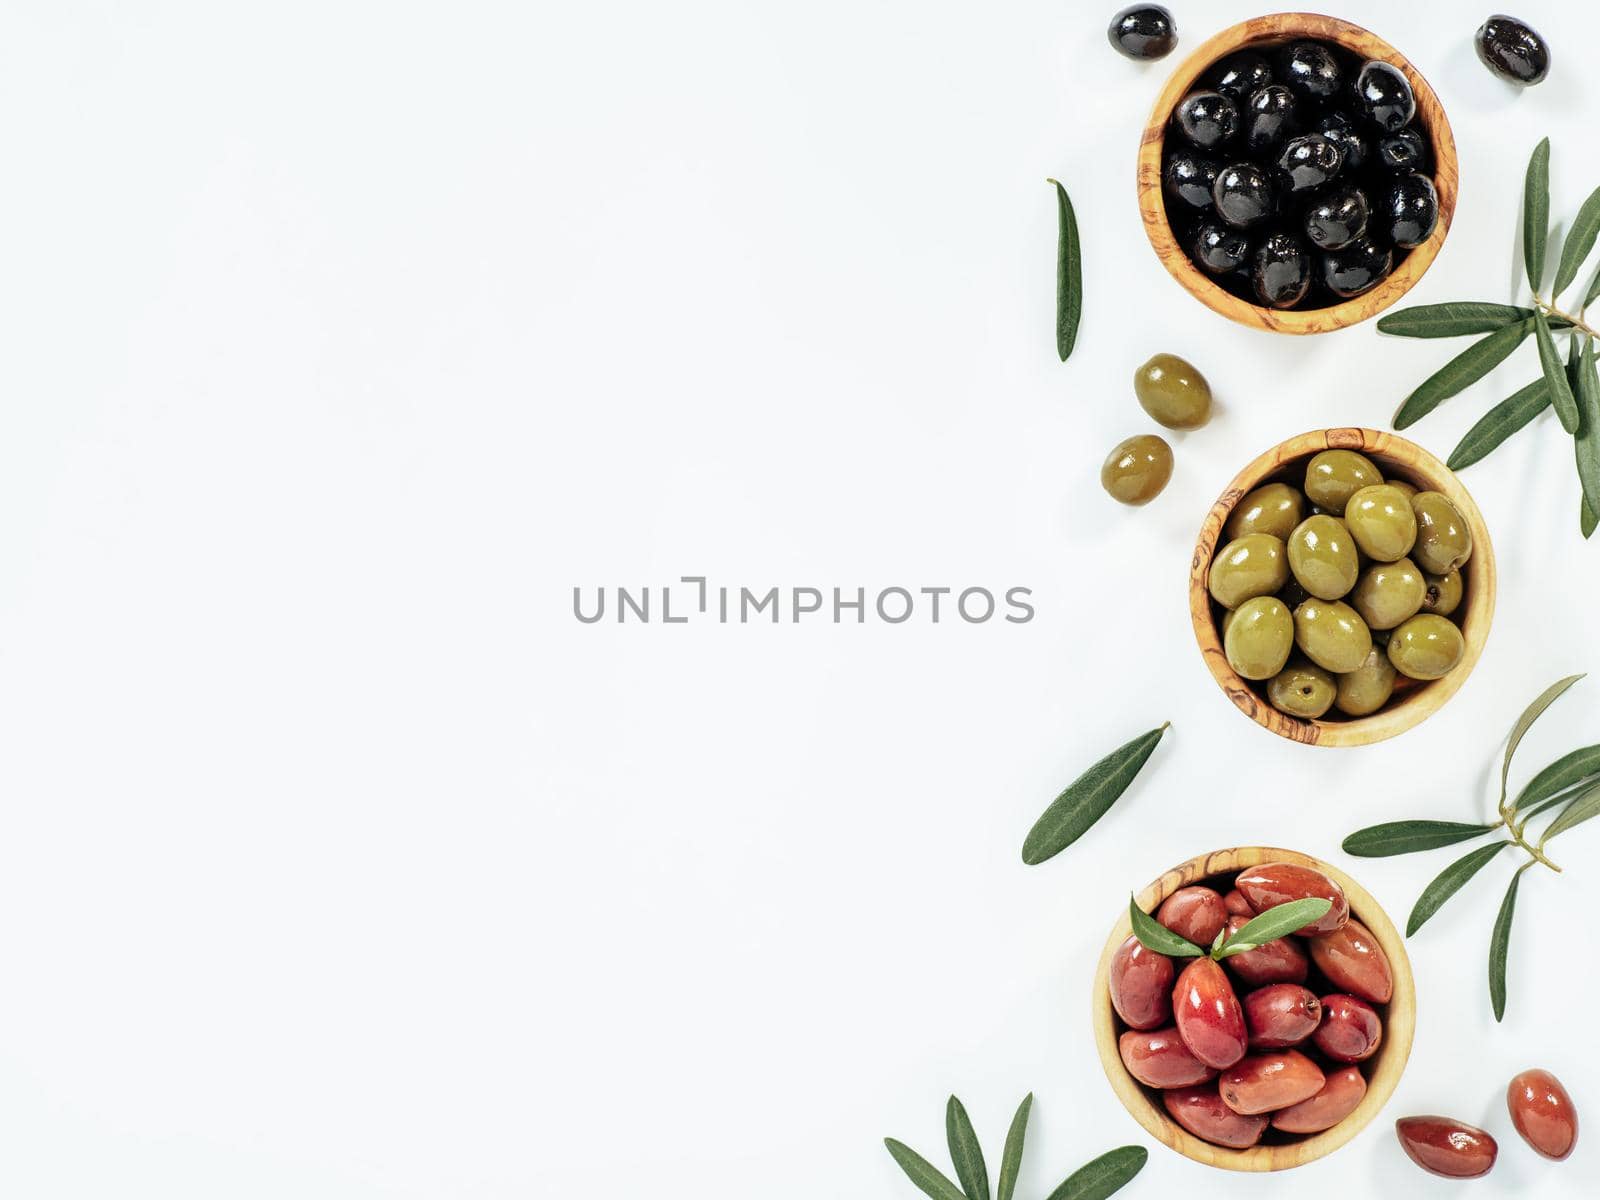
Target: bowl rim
[
  {"x": 1475, "y": 621},
  {"x": 1388, "y": 1064},
  {"x": 1152, "y": 202}
]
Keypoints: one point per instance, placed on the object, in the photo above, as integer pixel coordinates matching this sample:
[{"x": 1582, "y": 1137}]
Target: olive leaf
[
  {"x": 1011, "y": 1156},
  {"x": 1571, "y": 768},
  {"x": 1525, "y": 722},
  {"x": 1104, "y": 1175},
  {"x": 1583, "y": 806},
  {"x": 1448, "y": 882},
  {"x": 1276, "y": 922},
  {"x": 1586, "y": 442},
  {"x": 1408, "y": 837},
  {"x": 1156, "y": 936},
  {"x": 965, "y": 1153},
  {"x": 1555, "y": 375},
  {"x": 1499, "y": 423},
  {"x": 923, "y": 1173},
  {"x": 1587, "y": 520},
  {"x": 1536, "y": 213},
  {"x": 1461, "y": 372},
  {"x": 1454, "y": 319},
  {"x": 1580, "y": 240},
  {"x": 1087, "y": 798},
  {"x": 1500, "y": 944},
  {"x": 1069, "y": 274},
  {"x": 1593, "y": 294}
]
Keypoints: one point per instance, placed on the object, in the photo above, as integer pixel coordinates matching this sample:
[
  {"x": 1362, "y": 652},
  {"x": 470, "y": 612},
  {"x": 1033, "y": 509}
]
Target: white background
[{"x": 340, "y": 342}]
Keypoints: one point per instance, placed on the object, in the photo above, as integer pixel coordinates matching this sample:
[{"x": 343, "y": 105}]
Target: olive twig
[
  {"x": 1515, "y": 829},
  {"x": 1577, "y": 322}
]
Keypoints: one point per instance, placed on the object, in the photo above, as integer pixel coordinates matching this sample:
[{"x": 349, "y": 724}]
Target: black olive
[
  {"x": 1405, "y": 150},
  {"x": 1207, "y": 119},
  {"x": 1513, "y": 50},
  {"x": 1383, "y": 96},
  {"x": 1342, "y": 132},
  {"x": 1143, "y": 31},
  {"x": 1188, "y": 177},
  {"x": 1238, "y": 75},
  {"x": 1281, "y": 272},
  {"x": 1359, "y": 266},
  {"x": 1219, "y": 249},
  {"x": 1310, "y": 70},
  {"x": 1243, "y": 195},
  {"x": 1309, "y": 161},
  {"x": 1410, "y": 210},
  {"x": 1335, "y": 220},
  {"x": 1270, "y": 116}
]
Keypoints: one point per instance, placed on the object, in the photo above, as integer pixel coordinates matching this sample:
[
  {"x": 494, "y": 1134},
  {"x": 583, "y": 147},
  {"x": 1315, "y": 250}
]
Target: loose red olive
[
  {"x": 1272, "y": 884},
  {"x": 1237, "y": 905},
  {"x": 1201, "y": 1111},
  {"x": 1277, "y": 961},
  {"x": 1338, "y": 1098},
  {"x": 1141, "y": 985},
  {"x": 1442, "y": 1146},
  {"x": 1351, "y": 1030},
  {"x": 1281, "y": 1015},
  {"x": 1210, "y": 1019},
  {"x": 1264, "y": 1083},
  {"x": 1159, "y": 1059},
  {"x": 1354, "y": 962},
  {"x": 1194, "y": 913},
  {"x": 1543, "y": 1113}
]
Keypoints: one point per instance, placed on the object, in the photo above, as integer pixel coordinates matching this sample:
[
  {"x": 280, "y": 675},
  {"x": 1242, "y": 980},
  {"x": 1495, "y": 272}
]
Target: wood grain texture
[
  {"x": 1264, "y": 31},
  {"x": 1383, "y": 1070},
  {"x": 1415, "y": 702}
]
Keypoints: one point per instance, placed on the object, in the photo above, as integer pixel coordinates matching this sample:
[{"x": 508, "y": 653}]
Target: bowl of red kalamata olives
[
  {"x": 1266, "y": 1058},
  {"x": 1298, "y": 174}
]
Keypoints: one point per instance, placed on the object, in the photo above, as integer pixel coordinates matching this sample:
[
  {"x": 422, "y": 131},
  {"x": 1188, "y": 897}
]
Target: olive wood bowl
[
  {"x": 1383, "y": 1069},
  {"x": 1413, "y": 702},
  {"x": 1267, "y": 31}
]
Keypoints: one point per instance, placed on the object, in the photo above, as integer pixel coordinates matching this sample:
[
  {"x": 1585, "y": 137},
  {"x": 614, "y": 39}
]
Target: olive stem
[
  {"x": 1515, "y": 830},
  {"x": 1577, "y": 322}
]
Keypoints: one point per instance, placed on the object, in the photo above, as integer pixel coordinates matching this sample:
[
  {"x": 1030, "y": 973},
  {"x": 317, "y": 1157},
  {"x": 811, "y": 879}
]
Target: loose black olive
[
  {"x": 1270, "y": 116},
  {"x": 1513, "y": 50},
  {"x": 1383, "y": 95},
  {"x": 1243, "y": 195},
  {"x": 1219, "y": 249},
  {"x": 1335, "y": 220},
  {"x": 1310, "y": 70},
  {"x": 1281, "y": 272},
  {"x": 1404, "y": 150},
  {"x": 1144, "y": 31},
  {"x": 1309, "y": 161},
  {"x": 1188, "y": 178},
  {"x": 1359, "y": 266},
  {"x": 1410, "y": 210},
  {"x": 1342, "y": 132},
  {"x": 1207, "y": 119},
  {"x": 1241, "y": 74}
]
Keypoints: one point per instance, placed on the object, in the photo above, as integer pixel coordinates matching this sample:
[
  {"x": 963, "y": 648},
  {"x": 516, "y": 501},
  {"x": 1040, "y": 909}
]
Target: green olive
[
  {"x": 1137, "y": 470},
  {"x": 1380, "y": 520},
  {"x": 1333, "y": 476},
  {"x": 1443, "y": 595},
  {"x": 1173, "y": 392},
  {"x": 1444, "y": 542},
  {"x": 1323, "y": 557},
  {"x": 1254, "y": 565},
  {"x": 1365, "y": 690},
  {"x": 1410, "y": 489},
  {"x": 1259, "y": 638},
  {"x": 1302, "y": 689},
  {"x": 1274, "y": 508},
  {"x": 1332, "y": 634},
  {"x": 1389, "y": 593},
  {"x": 1426, "y": 647}
]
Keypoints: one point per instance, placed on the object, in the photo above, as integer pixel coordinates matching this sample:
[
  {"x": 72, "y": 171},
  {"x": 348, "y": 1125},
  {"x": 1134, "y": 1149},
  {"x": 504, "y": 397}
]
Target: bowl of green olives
[
  {"x": 1298, "y": 174},
  {"x": 1342, "y": 587}
]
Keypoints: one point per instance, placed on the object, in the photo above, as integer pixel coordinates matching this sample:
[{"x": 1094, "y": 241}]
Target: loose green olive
[
  {"x": 1274, "y": 508},
  {"x": 1380, "y": 520},
  {"x": 1332, "y": 634},
  {"x": 1389, "y": 593},
  {"x": 1443, "y": 540},
  {"x": 1410, "y": 489},
  {"x": 1323, "y": 557},
  {"x": 1426, "y": 647},
  {"x": 1137, "y": 469},
  {"x": 1333, "y": 476},
  {"x": 1173, "y": 392},
  {"x": 1259, "y": 638},
  {"x": 1254, "y": 565},
  {"x": 1302, "y": 689},
  {"x": 1365, "y": 690},
  {"x": 1443, "y": 595}
]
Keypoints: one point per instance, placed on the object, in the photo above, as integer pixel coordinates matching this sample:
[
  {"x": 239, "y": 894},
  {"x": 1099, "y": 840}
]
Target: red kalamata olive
[
  {"x": 1351, "y": 1031},
  {"x": 1354, "y": 962},
  {"x": 1210, "y": 1018},
  {"x": 1264, "y": 1083},
  {"x": 1342, "y": 1091},
  {"x": 1442, "y": 1146},
  {"x": 1201, "y": 1111},
  {"x": 1278, "y": 961},
  {"x": 1141, "y": 985},
  {"x": 1237, "y": 905},
  {"x": 1158, "y": 1058},
  {"x": 1195, "y": 913},
  {"x": 1272, "y": 884},
  {"x": 1543, "y": 1113},
  {"x": 1281, "y": 1015}
]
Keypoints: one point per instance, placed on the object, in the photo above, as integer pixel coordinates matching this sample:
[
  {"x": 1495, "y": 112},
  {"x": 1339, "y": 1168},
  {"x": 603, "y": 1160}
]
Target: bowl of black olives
[
  {"x": 1298, "y": 174},
  {"x": 1342, "y": 587}
]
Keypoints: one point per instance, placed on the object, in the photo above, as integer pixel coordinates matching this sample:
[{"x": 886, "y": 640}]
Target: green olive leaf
[
  {"x": 1455, "y": 319},
  {"x": 965, "y": 1153},
  {"x": 1525, "y": 722},
  {"x": 1536, "y": 213},
  {"x": 1069, "y": 275},
  {"x": 1555, "y": 375},
  {"x": 1500, "y": 944},
  {"x": 1584, "y": 805},
  {"x": 1409, "y": 837},
  {"x": 1011, "y": 1157},
  {"x": 1580, "y": 240},
  {"x": 1461, "y": 372},
  {"x": 1510, "y": 416},
  {"x": 1586, "y": 442},
  {"x": 1571, "y": 768},
  {"x": 1276, "y": 922},
  {"x": 1156, "y": 936},
  {"x": 1593, "y": 294},
  {"x": 1448, "y": 882},
  {"x": 1088, "y": 798},
  {"x": 923, "y": 1173},
  {"x": 1587, "y": 520},
  {"x": 1556, "y": 801},
  {"x": 1216, "y": 942},
  {"x": 1104, "y": 1175}
]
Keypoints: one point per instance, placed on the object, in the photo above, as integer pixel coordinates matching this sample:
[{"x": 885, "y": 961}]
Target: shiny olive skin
[
  {"x": 1258, "y": 639},
  {"x": 1543, "y": 1114},
  {"x": 1201, "y": 1111},
  {"x": 1302, "y": 690},
  {"x": 1137, "y": 469},
  {"x": 1310, "y": 70},
  {"x": 1333, "y": 635},
  {"x": 1389, "y": 593},
  {"x": 1143, "y": 32},
  {"x": 1188, "y": 178},
  {"x": 1254, "y": 565},
  {"x": 1351, "y": 1030},
  {"x": 1513, "y": 50},
  {"x": 1243, "y": 195},
  {"x": 1356, "y": 268},
  {"x": 1278, "y": 961},
  {"x": 1401, "y": 485},
  {"x": 1236, "y": 904},
  {"x": 1159, "y": 1059},
  {"x": 1208, "y": 120},
  {"x": 1210, "y": 1018},
  {"x": 1443, "y": 594},
  {"x": 1141, "y": 985},
  {"x": 1194, "y": 913},
  {"x": 1271, "y": 114},
  {"x": 1343, "y": 132},
  {"x": 1337, "y": 218},
  {"x": 1281, "y": 271},
  {"x": 1444, "y": 541},
  {"x": 1333, "y": 476},
  {"x": 1383, "y": 95},
  {"x": 1240, "y": 74},
  {"x": 1426, "y": 647},
  {"x": 1219, "y": 249},
  {"x": 1271, "y": 884},
  {"x": 1404, "y": 150},
  {"x": 1173, "y": 392},
  {"x": 1274, "y": 508},
  {"x": 1341, "y": 1092},
  {"x": 1410, "y": 210},
  {"x": 1351, "y": 960},
  {"x": 1309, "y": 161},
  {"x": 1365, "y": 690},
  {"x": 1281, "y": 1015},
  {"x": 1323, "y": 557},
  {"x": 1445, "y": 1146},
  {"x": 1264, "y": 1083},
  {"x": 1382, "y": 523}
]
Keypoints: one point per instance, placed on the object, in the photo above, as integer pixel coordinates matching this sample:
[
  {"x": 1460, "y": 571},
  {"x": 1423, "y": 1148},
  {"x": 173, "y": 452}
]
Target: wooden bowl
[
  {"x": 1383, "y": 1069},
  {"x": 1413, "y": 702},
  {"x": 1268, "y": 31}
]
